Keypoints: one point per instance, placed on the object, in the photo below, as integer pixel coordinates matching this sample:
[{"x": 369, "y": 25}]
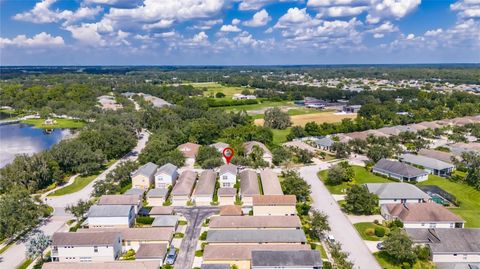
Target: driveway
[
  {"x": 342, "y": 229},
  {"x": 195, "y": 217}
]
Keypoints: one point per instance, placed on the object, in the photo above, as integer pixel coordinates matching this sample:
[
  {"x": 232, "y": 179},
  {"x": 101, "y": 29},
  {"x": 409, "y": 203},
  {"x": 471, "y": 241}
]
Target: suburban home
[
  {"x": 270, "y": 183},
  {"x": 459, "y": 148},
  {"x": 430, "y": 165},
  {"x": 231, "y": 210},
  {"x": 227, "y": 175},
  {"x": 254, "y": 222},
  {"x": 449, "y": 245},
  {"x": 156, "y": 197},
  {"x": 133, "y": 238},
  {"x": 274, "y": 205},
  {"x": 351, "y": 108},
  {"x": 295, "y": 259},
  {"x": 422, "y": 215},
  {"x": 183, "y": 188},
  {"x": 220, "y": 146},
  {"x": 278, "y": 236},
  {"x": 203, "y": 193},
  {"x": 400, "y": 171},
  {"x": 166, "y": 221},
  {"x": 241, "y": 254},
  {"x": 161, "y": 211},
  {"x": 226, "y": 196},
  {"x": 103, "y": 265},
  {"x": 152, "y": 252},
  {"x": 189, "y": 151},
  {"x": 111, "y": 216},
  {"x": 135, "y": 191},
  {"x": 143, "y": 177},
  {"x": 300, "y": 144},
  {"x": 324, "y": 143},
  {"x": 390, "y": 193},
  {"x": 249, "y": 146},
  {"x": 389, "y": 131},
  {"x": 166, "y": 176},
  {"x": 81, "y": 247},
  {"x": 438, "y": 155},
  {"x": 130, "y": 200},
  {"x": 248, "y": 186},
  {"x": 430, "y": 125}
]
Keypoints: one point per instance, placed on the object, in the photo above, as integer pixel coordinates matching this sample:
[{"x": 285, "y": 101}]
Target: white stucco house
[
  {"x": 227, "y": 175},
  {"x": 111, "y": 216},
  {"x": 166, "y": 176}
]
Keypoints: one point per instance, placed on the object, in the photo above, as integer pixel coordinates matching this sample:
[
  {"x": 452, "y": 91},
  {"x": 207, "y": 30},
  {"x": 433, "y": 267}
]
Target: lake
[{"x": 25, "y": 139}]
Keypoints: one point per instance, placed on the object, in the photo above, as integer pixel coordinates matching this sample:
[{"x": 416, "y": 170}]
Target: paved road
[
  {"x": 342, "y": 229},
  {"x": 15, "y": 255},
  {"x": 195, "y": 217}
]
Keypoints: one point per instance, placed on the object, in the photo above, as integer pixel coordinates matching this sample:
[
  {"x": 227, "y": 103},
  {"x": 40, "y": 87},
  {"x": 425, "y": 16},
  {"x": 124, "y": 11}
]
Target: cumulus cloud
[
  {"x": 41, "y": 13},
  {"x": 200, "y": 37},
  {"x": 260, "y": 18},
  {"x": 467, "y": 8},
  {"x": 396, "y": 9},
  {"x": 295, "y": 16},
  {"x": 41, "y": 40},
  {"x": 236, "y": 21},
  {"x": 381, "y": 30},
  {"x": 206, "y": 25},
  {"x": 161, "y": 24},
  {"x": 229, "y": 28},
  {"x": 258, "y": 4}
]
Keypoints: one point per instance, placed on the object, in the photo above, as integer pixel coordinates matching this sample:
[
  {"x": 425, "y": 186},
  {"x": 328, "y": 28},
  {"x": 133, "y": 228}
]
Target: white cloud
[
  {"x": 258, "y": 4},
  {"x": 260, "y": 18},
  {"x": 342, "y": 11},
  {"x": 41, "y": 40},
  {"x": 41, "y": 13},
  {"x": 230, "y": 28},
  {"x": 295, "y": 16},
  {"x": 381, "y": 30},
  {"x": 396, "y": 9},
  {"x": 161, "y": 24},
  {"x": 208, "y": 24},
  {"x": 467, "y": 8},
  {"x": 200, "y": 37},
  {"x": 326, "y": 3},
  {"x": 236, "y": 21}
]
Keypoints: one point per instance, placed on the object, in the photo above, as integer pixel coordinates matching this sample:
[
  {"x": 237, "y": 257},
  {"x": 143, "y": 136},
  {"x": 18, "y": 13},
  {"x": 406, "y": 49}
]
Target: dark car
[{"x": 380, "y": 246}]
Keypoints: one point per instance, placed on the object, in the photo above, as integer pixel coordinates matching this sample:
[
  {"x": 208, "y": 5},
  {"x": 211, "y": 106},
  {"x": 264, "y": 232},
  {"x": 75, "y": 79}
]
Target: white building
[
  {"x": 394, "y": 193},
  {"x": 111, "y": 216},
  {"x": 166, "y": 176},
  {"x": 227, "y": 175}
]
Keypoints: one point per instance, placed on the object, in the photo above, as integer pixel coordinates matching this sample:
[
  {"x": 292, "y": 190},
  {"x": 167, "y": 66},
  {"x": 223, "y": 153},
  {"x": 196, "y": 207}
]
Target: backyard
[{"x": 362, "y": 176}]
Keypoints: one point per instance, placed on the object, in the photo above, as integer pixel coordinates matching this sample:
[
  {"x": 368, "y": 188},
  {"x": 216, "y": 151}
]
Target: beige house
[
  {"x": 248, "y": 186},
  {"x": 92, "y": 247},
  {"x": 274, "y": 205},
  {"x": 183, "y": 188},
  {"x": 143, "y": 177},
  {"x": 270, "y": 183},
  {"x": 231, "y": 210},
  {"x": 129, "y": 200},
  {"x": 156, "y": 197},
  {"x": 226, "y": 196},
  {"x": 256, "y": 236},
  {"x": 254, "y": 222},
  {"x": 161, "y": 211},
  {"x": 189, "y": 151},
  {"x": 203, "y": 194}
]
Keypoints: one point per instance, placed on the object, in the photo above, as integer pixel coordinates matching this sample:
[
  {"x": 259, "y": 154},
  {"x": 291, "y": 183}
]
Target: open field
[
  {"x": 320, "y": 117},
  {"x": 79, "y": 183},
  {"x": 214, "y": 87},
  {"x": 280, "y": 136},
  {"x": 362, "y": 176},
  {"x": 60, "y": 123}
]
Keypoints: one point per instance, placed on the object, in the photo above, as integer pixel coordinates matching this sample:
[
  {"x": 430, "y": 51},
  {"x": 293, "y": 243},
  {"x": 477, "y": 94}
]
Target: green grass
[
  {"x": 79, "y": 183},
  {"x": 362, "y": 228},
  {"x": 60, "y": 123},
  {"x": 362, "y": 176},
  {"x": 25, "y": 264},
  {"x": 322, "y": 251},
  {"x": 214, "y": 87},
  {"x": 296, "y": 111},
  {"x": 386, "y": 262},
  {"x": 280, "y": 136},
  {"x": 469, "y": 198}
]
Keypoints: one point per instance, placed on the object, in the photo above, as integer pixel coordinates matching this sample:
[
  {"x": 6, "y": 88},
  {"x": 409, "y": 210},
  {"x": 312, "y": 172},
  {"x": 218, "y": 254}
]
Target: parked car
[
  {"x": 380, "y": 246},
  {"x": 330, "y": 238},
  {"x": 171, "y": 256}
]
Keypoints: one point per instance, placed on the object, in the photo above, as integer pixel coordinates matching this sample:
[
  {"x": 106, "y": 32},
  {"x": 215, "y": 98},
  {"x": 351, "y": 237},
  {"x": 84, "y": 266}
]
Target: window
[
  {"x": 432, "y": 225},
  {"x": 95, "y": 249},
  {"x": 224, "y": 177}
]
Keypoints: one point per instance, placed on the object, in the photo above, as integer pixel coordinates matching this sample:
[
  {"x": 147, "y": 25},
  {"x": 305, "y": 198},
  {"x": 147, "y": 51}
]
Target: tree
[
  {"x": 340, "y": 257},
  {"x": 102, "y": 187},
  {"x": 295, "y": 132},
  {"x": 319, "y": 223},
  {"x": 339, "y": 173},
  {"x": 79, "y": 209},
  {"x": 341, "y": 150},
  {"x": 471, "y": 161},
  {"x": 219, "y": 95},
  {"x": 399, "y": 247},
  {"x": 281, "y": 155},
  {"x": 36, "y": 245},
  {"x": 360, "y": 201},
  {"x": 256, "y": 157},
  {"x": 208, "y": 157},
  {"x": 277, "y": 119},
  {"x": 378, "y": 152},
  {"x": 295, "y": 185}
]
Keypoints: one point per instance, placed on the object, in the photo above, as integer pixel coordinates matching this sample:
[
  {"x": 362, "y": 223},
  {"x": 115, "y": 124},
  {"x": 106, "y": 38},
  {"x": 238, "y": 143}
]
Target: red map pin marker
[{"x": 228, "y": 154}]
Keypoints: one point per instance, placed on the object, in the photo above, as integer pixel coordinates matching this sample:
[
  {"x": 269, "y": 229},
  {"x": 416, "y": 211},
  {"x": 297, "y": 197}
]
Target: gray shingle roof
[
  {"x": 157, "y": 193},
  {"x": 81, "y": 239},
  {"x": 256, "y": 236},
  {"x": 165, "y": 221},
  {"x": 248, "y": 146},
  {"x": 228, "y": 168},
  {"x": 135, "y": 191},
  {"x": 167, "y": 169},
  {"x": 151, "y": 251},
  {"x": 185, "y": 183},
  {"x": 399, "y": 168},
  {"x": 270, "y": 182},
  {"x": 448, "y": 240},
  {"x": 227, "y": 192},
  {"x": 396, "y": 191},
  {"x": 206, "y": 183},
  {"x": 110, "y": 211},
  {"x": 249, "y": 183},
  {"x": 426, "y": 162},
  {"x": 147, "y": 170},
  {"x": 295, "y": 258},
  {"x": 324, "y": 142},
  {"x": 436, "y": 154},
  {"x": 215, "y": 266}
]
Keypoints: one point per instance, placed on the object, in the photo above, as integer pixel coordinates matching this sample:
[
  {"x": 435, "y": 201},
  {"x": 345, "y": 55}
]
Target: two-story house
[
  {"x": 166, "y": 176},
  {"x": 227, "y": 175},
  {"x": 111, "y": 216}
]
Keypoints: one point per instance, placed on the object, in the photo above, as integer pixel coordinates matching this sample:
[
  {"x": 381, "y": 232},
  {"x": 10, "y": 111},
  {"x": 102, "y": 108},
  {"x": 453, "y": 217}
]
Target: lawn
[
  {"x": 280, "y": 136},
  {"x": 297, "y": 111},
  {"x": 261, "y": 105},
  {"x": 386, "y": 262},
  {"x": 214, "y": 87},
  {"x": 79, "y": 183},
  {"x": 318, "y": 117},
  {"x": 469, "y": 198},
  {"x": 362, "y": 176},
  {"x": 322, "y": 251},
  {"x": 60, "y": 123},
  {"x": 25, "y": 264},
  {"x": 362, "y": 230}
]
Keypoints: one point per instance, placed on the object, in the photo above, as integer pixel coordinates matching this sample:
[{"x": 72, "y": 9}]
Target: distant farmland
[{"x": 321, "y": 117}]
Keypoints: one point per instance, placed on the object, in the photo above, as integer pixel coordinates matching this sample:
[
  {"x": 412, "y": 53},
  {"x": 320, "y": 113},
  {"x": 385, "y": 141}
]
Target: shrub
[
  {"x": 178, "y": 235},
  {"x": 406, "y": 265},
  {"x": 327, "y": 265},
  {"x": 376, "y": 222},
  {"x": 379, "y": 232},
  {"x": 199, "y": 253},
  {"x": 145, "y": 220},
  {"x": 398, "y": 223},
  {"x": 369, "y": 231},
  {"x": 423, "y": 253},
  {"x": 203, "y": 236}
]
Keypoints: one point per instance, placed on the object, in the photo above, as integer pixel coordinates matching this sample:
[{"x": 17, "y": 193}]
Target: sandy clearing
[{"x": 329, "y": 117}]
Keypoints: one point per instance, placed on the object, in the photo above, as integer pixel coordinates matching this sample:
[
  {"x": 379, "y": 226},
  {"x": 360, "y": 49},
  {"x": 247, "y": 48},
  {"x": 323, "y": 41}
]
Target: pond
[{"x": 26, "y": 139}]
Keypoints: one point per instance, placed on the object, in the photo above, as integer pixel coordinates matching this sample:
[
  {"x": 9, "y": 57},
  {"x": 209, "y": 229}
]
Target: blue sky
[{"x": 238, "y": 32}]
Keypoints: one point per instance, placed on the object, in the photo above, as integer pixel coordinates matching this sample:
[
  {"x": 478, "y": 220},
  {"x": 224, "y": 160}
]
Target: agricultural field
[
  {"x": 214, "y": 87},
  {"x": 318, "y": 117}
]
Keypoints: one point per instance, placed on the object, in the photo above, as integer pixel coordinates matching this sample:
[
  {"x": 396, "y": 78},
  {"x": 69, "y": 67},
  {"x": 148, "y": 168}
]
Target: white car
[{"x": 330, "y": 238}]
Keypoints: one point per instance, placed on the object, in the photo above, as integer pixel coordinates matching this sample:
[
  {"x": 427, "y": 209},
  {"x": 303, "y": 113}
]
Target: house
[
  {"x": 160, "y": 211},
  {"x": 166, "y": 221},
  {"x": 430, "y": 165},
  {"x": 274, "y": 205},
  {"x": 239, "y": 96},
  {"x": 250, "y": 145},
  {"x": 143, "y": 177},
  {"x": 129, "y": 200},
  {"x": 111, "y": 216},
  {"x": 459, "y": 148},
  {"x": 391, "y": 193},
  {"x": 231, "y": 210},
  {"x": 189, "y": 151},
  {"x": 103, "y": 265},
  {"x": 133, "y": 238},
  {"x": 278, "y": 236},
  {"x": 351, "y": 108},
  {"x": 389, "y": 131},
  {"x": 226, "y": 196},
  {"x": 135, "y": 191},
  {"x": 241, "y": 254},
  {"x": 227, "y": 175},
  {"x": 270, "y": 182},
  {"x": 149, "y": 252},
  {"x": 324, "y": 143},
  {"x": 400, "y": 171},
  {"x": 156, "y": 197},
  {"x": 254, "y": 222},
  {"x": 166, "y": 176},
  {"x": 248, "y": 186},
  {"x": 300, "y": 144},
  {"x": 449, "y": 245},
  {"x": 203, "y": 194},
  {"x": 183, "y": 188},
  {"x": 438, "y": 155},
  {"x": 220, "y": 146},
  {"x": 430, "y": 125},
  {"x": 295, "y": 259},
  {"x": 422, "y": 215},
  {"x": 91, "y": 247}
]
